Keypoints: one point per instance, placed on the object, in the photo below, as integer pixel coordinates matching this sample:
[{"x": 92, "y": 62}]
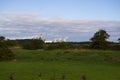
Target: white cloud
[{"x": 26, "y": 25}]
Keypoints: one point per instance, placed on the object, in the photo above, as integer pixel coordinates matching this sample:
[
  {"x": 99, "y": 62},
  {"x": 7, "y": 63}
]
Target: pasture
[{"x": 36, "y": 64}]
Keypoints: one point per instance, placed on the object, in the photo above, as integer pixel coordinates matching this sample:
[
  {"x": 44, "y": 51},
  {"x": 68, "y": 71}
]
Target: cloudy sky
[{"x": 76, "y": 20}]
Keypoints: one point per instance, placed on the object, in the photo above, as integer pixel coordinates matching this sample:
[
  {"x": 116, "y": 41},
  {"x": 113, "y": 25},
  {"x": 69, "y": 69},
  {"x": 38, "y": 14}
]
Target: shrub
[
  {"x": 34, "y": 44},
  {"x": 5, "y": 52}
]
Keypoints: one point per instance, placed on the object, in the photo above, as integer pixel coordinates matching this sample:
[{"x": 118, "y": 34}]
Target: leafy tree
[
  {"x": 99, "y": 40},
  {"x": 2, "y": 38},
  {"x": 5, "y": 52}
]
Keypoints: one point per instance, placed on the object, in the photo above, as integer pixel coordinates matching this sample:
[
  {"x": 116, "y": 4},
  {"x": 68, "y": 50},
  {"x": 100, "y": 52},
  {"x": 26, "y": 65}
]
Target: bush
[
  {"x": 11, "y": 43},
  {"x": 59, "y": 45},
  {"x": 114, "y": 47},
  {"x": 34, "y": 44},
  {"x": 5, "y": 52}
]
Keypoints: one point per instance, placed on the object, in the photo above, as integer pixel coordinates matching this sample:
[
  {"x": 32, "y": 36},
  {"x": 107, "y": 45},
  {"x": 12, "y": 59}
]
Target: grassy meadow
[{"x": 95, "y": 64}]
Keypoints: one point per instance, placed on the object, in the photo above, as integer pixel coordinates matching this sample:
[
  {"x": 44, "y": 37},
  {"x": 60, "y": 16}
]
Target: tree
[
  {"x": 2, "y": 38},
  {"x": 99, "y": 40},
  {"x": 5, "y": 52}
]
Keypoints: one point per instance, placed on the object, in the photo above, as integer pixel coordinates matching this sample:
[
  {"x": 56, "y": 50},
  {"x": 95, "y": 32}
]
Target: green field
[{"x": 96, "y": 65}]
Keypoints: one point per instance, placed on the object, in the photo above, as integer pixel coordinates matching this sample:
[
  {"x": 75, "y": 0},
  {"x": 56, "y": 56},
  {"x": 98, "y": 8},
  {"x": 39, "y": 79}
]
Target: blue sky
[
  {"x": 76, "y": 16},
  {"x": 70, "y": 9}
]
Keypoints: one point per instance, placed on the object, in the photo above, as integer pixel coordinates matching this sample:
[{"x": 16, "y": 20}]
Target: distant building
[
  {"x": 56, "y": 40},
  {"x": 48, "y": 41}
]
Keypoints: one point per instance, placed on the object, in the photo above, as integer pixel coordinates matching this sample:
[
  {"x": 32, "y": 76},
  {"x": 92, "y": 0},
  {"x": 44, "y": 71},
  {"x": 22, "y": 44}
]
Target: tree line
[{"x": 98, "y": 41}]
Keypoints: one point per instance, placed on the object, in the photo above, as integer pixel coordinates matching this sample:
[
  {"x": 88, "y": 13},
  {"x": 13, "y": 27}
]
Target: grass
[{"x": 96, "y": 65}]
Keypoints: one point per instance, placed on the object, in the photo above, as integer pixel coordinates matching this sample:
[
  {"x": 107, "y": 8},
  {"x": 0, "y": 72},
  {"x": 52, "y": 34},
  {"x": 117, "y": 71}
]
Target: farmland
[{"x": 95, "y": 64}]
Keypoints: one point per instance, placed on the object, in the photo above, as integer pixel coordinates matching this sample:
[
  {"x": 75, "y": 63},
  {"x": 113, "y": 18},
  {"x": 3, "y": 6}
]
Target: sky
[{"x": 75, "y": 20}]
